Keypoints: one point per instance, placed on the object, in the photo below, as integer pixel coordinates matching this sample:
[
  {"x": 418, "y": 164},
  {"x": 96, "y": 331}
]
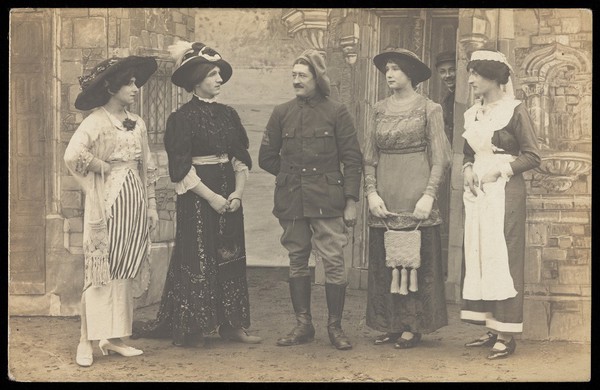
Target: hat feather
[{"x": 178, "y": 49}]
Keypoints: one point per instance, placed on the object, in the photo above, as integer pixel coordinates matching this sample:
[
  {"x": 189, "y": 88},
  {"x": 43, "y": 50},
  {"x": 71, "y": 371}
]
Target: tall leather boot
[
  {"x": 336, "y": 295},
  {"x": 304, "y": 330}
]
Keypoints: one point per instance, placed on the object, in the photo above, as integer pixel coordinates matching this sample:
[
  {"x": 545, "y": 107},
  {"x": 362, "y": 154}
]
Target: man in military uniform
[
  {"x": 305, "y": 142},
  {"x": 445, "y": 64}
]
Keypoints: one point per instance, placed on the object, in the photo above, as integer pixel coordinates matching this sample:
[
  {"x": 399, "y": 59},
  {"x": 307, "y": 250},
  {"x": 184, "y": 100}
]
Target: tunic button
[
  {"x": 303, "y": 169},
  {"x": 326, "y": 132},
  {"x": 314, "y": 169},
  {"x": 286, "y": 134}
]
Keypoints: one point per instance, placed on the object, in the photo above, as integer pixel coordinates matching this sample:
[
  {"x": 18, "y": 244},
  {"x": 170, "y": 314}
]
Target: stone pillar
[{"x": 309, "y": 26}]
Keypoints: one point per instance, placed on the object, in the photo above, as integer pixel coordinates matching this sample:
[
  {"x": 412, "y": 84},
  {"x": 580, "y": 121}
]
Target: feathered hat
[
  {"x": 190, "y": 54},
  {"x": 92, "y": 93}
]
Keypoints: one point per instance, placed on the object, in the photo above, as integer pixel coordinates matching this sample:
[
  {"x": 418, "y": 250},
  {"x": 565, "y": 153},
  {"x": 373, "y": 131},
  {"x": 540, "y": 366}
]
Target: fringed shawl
[{"x": 95, "y": 138}]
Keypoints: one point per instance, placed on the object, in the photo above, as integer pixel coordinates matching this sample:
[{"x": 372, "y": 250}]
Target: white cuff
[
  {"x": 239, "y": 166},
  {"x": 506, "y": 170},
  {"x": 465, "y": 165},
  {"x": 190, "y": 181}
]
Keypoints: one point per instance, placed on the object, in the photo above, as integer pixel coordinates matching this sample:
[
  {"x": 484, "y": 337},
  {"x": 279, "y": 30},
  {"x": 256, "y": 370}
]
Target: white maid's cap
[{"x": 490, "y": 55}]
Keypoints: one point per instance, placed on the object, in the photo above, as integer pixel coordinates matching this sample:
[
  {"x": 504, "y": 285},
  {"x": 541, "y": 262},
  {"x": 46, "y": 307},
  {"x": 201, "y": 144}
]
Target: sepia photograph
[{"x": 300, "y": 195}]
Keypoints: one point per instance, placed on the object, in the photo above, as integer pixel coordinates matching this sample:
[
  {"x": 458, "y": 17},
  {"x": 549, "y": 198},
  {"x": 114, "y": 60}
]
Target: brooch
[{"x": 129, "y": 124}]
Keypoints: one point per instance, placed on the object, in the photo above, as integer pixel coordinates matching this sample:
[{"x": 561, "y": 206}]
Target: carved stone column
[
  {"x": 308, "y": 26},
  {"x": 555, "y": 82}
]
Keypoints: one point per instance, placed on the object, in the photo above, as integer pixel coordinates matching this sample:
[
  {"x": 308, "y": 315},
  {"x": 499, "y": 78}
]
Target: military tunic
[{"x": 304, "y": 144}]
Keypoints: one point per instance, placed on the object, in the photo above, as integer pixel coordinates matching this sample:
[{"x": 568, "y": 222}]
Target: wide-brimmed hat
[
  {"x": 191, "y": 54},
  {"x": 92, "y": 93},
  {"x": 420, "y": 71}
]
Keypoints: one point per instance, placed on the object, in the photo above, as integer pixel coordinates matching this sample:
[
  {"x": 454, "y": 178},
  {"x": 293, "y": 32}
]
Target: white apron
[{"x": 487, "y": 273}]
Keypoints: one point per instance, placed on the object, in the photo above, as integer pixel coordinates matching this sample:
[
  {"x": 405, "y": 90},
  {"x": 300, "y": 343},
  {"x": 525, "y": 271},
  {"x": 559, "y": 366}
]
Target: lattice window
[{"x": 159, "y": 98}]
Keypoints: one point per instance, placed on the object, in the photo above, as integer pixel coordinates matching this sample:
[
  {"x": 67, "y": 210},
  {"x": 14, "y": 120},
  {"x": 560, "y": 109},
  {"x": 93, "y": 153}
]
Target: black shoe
[
  {"x": 237, "y": 334},
  {"x": 406, "y": 344},
  {"x": 500, "y": 354},
  {"x": 301, "y": 334},
  {"x": 304, "y": 331},
  {"x": 338, "y": 338},
  {"x": 386, "y": 338},
  {"x": 336, "y": 296},
  {"x": 486, "y": 341}
]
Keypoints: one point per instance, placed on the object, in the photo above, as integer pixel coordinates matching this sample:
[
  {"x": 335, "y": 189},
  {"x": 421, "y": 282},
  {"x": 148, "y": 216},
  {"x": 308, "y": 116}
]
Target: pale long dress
[{"x": 109, "y": 308}]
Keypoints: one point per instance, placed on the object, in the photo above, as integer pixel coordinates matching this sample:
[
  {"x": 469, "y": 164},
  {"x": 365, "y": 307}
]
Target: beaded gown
[{"x": 206, "y": 280}]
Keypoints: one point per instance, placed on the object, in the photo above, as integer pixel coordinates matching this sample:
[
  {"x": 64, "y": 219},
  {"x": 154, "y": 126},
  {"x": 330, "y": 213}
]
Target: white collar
[
  {"x": 118, "y": 124},
  {"x": 213, "y": 100},
  {"x": 496, "y": 118}
]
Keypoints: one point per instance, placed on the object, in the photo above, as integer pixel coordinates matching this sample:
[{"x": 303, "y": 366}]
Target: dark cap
[{"x": 446, "y": 56}]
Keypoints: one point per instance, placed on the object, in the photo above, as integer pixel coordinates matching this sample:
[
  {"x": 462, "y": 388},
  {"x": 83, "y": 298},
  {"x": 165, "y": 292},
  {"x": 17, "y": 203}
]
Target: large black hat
[
  {"x": 92, "y": 93},
  {"x": 189, "y": 55},
  {"x": 420, "y": 71}
]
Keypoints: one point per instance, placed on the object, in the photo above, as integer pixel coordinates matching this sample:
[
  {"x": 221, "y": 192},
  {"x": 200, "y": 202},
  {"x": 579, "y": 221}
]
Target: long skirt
[
  {"x": 109, "y": 308},
  {"x": 423, "y": 311},
  {"x": 206, "y": 280},
  {"x": 506, "y": 316}
]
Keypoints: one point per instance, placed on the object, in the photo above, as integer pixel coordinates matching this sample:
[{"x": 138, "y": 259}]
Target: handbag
[{"x": 403, "y": 250}]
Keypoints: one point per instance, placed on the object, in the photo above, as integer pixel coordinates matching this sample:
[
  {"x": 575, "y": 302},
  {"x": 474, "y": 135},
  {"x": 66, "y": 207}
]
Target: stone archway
[{"x": 556, "y": 83}]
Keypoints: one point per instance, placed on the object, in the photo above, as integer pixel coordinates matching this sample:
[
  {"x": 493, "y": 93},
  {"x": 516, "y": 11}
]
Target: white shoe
[
  {"x": 84, "y": 356},
  {"x": 125, "y": 350}
]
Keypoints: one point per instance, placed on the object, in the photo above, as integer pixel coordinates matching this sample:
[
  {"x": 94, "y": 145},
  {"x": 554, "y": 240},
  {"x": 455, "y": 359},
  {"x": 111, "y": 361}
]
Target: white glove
[
  {"x": 377, "y": 206},
  {"x": 423, "y": 207}
]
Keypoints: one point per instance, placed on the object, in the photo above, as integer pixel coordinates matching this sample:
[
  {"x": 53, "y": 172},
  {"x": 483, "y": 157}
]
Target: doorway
[
  {"x": 427, "y": 33},
  {"x": 29, "y": 72}
]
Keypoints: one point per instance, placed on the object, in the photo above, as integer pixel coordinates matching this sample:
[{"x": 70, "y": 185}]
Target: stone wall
[
  {"x": 553, "y": 59},
  {"x": 88, "y": 36}
]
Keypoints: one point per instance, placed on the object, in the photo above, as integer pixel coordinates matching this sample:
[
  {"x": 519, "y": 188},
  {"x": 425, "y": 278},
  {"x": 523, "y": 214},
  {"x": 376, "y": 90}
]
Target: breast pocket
[
  {"x": 324, "y": 139},
  {"x": 289, "y": 142}
]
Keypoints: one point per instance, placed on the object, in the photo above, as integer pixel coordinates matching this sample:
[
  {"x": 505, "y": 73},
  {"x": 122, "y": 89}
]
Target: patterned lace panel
[
  {"x": 406, "y": 220},
  {"x": 393, "y": 130},
  {"x": 212, "y": 127},
  {"x": 370, "y": 184},
  {"x": 402, "y": 131},
  {"x": 196, "y": 298},
  {"x": 83, "y": 161}
]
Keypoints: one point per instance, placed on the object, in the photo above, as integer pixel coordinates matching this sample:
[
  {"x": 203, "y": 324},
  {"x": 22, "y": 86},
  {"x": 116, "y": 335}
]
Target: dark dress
[
  {"x": 504, "y": 134},
  {"x": 206, "y": 280}
]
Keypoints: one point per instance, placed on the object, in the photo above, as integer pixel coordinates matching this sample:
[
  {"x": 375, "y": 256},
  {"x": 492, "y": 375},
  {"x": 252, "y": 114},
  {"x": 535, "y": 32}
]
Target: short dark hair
[
  {"x": 302, "y": 61},
  {"x": 491, "y": 70},
  {"x": 114, "y": 82},
  {"x": 407, "y": 68}
]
